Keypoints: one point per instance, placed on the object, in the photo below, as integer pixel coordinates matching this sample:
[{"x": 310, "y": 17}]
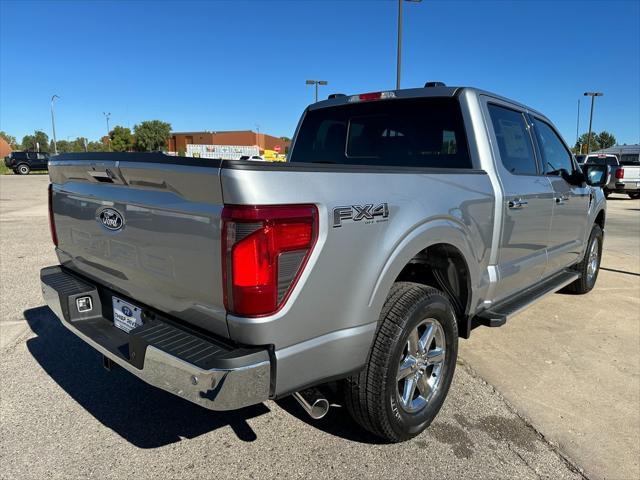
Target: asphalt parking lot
[{"x": 553, "y": 394}]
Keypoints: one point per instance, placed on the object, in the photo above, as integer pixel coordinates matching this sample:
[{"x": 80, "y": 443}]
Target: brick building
[{"x": 178, "y": 141}]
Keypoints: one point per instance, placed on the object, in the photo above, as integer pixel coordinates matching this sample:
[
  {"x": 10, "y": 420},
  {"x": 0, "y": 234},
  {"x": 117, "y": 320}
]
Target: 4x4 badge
[{"x": 357, "y": 213}]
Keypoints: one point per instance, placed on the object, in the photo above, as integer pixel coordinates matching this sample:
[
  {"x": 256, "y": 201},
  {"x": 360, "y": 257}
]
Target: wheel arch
[{"x": 423, "y": 250}]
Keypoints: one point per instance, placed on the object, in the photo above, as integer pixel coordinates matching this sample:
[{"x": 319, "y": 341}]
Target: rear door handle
[
  {"x": 561, "y": 199},
  {"x": 517, "y": 204}
]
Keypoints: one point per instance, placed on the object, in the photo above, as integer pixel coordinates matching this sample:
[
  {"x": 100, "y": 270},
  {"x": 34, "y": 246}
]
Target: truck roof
[{"x": 437, "y": 91}]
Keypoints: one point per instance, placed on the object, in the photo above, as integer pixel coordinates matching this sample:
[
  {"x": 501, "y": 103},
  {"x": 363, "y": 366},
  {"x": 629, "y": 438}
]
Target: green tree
[
  {"x": 605, "y": 139},
  {"x": 64, "y": 146},
  {"x": 30, "y": 142},
  {"x": 151, "y": 135},
  {"x": 582, "y": 142},
  {"x": 10, "y": 139},
  {"x": 96, "y": 147},
  {"x": 121, "y": 139}
]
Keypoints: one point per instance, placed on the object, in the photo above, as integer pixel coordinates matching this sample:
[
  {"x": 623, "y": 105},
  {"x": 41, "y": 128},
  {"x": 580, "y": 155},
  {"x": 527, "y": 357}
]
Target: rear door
[
  {"x": 527, "y": 200},
  {"x": 571, "y": 202}
]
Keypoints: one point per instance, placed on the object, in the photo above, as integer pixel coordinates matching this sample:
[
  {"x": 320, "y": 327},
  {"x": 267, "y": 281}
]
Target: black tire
[
  {"x": 23, "y": 169},
  {"x": 634, "y": 196},
  {"x": 586, "y": 282},
  {"x": 372, "y": 396}
]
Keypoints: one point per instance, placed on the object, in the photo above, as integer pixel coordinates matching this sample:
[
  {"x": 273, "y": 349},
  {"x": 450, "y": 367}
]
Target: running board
[{"x": 498, "y": 315}]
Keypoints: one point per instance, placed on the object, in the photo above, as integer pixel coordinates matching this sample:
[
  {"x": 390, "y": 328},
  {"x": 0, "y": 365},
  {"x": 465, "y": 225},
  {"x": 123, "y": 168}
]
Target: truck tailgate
[{"x": 145, "y": 225}]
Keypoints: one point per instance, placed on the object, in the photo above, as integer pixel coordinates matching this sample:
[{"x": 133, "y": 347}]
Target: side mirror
[{"x": 597, "y": 175}]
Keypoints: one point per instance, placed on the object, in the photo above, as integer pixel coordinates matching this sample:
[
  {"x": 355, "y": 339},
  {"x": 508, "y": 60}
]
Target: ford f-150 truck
[{"x": 403, "y": 220}]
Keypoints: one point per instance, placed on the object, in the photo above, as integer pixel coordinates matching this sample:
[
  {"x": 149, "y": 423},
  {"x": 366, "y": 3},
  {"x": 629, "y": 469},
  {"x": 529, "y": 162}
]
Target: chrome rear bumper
[{"x": 240, "y": 377}]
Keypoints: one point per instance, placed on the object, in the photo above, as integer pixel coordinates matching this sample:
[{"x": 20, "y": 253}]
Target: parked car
[
  {"x": 255, "y": 158},
  {"x": 625, "y": 176},
  {"x": 24, "y": 162},
  {"x": 403, "y": 220}
]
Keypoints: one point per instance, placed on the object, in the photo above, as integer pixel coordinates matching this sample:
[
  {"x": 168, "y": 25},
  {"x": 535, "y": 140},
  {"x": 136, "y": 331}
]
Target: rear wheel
[
  {"x": 409, "y": 371},
  {"x": 589, "y": 267},
  {"x": 23, "y": 169}
]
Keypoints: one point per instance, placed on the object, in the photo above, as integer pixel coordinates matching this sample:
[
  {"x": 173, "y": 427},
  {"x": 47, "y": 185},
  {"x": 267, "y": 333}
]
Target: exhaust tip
[{"x": 313, "y": 402}]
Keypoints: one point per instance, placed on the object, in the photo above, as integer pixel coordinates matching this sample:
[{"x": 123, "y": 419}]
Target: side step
[{"x": 498, "y": 315}]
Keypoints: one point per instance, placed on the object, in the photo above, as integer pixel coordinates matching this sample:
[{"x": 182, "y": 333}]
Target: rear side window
[
  {"x": 629, "y": 160},
  {"x": 611, "y": 161},
  {"x": 514, "y": 142},
  {"x": 555, "y": 156},
  {"x": 425, "y": 132}
]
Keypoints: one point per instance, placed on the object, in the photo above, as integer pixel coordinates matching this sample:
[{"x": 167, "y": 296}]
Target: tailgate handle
[{"x": 104, "y": 177}]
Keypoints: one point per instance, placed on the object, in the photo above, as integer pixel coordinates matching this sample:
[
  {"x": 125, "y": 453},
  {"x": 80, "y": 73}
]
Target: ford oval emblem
[
  {"x": 111, "y": 219},
  {"x": 127, "y": 311}
]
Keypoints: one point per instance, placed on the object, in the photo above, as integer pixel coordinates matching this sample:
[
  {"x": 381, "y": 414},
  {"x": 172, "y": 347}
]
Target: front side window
[
  {"x": 555, "y": 156},
  {"x": 422, "y": 132},
  {"x": 514, "y": 142}
]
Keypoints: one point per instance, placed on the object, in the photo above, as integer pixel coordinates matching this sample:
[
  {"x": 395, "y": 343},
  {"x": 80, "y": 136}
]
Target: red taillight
[
  {"x": 52, "y": 222},
  {"x": 620, "y": 173},
  {"x": 264, "y": 251}
]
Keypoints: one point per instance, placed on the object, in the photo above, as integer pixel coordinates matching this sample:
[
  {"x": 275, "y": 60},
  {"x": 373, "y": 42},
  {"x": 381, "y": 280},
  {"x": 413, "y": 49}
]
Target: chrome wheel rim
[
  {"x": 421, "y": 366},
  {"x": 594, "y": 259},
  {"x": 23, "y": 169}
]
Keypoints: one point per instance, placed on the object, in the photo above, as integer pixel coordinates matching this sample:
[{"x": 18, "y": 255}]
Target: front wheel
[
  {"x": 23, "y": 169},
  {"x": 589, "y": 267},
  {"x": 634, "y": 195},
  {"x": 410, "y": 367}
]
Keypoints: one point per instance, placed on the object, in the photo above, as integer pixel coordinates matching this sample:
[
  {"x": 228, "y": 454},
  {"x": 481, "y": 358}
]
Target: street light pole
[
  {"x": 399, "y": 54},
  {"x": 592, "y": 95},
  {"x": 107, "y": 115},
  {"x": 316, "y": 83},
  {"x": 53, "y": 125},
  {"x": 578, "y": 124}
]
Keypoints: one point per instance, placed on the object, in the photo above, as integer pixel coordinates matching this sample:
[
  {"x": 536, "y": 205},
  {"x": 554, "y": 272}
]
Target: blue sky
[{"x": 231, "y": 65}]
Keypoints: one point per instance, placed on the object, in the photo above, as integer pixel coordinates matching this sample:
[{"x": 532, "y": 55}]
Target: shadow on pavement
[
  {"x": 144, "y": 415},
  {"x": 337, "y": 422},
  {"x": 620, "y": 271}
]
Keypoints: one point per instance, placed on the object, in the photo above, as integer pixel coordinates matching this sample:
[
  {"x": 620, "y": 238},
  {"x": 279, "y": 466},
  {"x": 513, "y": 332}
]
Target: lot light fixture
[{"x": 316, "y": 83}]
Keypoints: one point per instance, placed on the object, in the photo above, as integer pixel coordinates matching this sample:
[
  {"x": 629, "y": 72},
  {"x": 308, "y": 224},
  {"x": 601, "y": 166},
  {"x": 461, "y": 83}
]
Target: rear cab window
[{"x": 412, "y": 132}]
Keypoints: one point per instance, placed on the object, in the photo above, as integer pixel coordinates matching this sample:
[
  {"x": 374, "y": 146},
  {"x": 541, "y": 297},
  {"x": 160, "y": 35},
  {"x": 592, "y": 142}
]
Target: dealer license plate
[{"x": 125, "y": 315}]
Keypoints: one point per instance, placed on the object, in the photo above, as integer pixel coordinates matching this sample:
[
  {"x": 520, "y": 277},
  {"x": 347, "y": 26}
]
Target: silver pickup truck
[
  {"x": 403, "y": 220},
  {"x": 624, "y": 175}
]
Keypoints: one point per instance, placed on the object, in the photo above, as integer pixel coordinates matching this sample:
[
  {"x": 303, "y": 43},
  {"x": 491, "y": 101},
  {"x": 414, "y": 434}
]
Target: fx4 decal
[{"x": 360, "y": 213}]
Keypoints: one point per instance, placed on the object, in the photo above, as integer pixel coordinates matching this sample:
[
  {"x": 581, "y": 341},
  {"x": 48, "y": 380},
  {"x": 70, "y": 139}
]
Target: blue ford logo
[
  {"x": 110, "y": 219},
  {"x": 127, "y": 311}
]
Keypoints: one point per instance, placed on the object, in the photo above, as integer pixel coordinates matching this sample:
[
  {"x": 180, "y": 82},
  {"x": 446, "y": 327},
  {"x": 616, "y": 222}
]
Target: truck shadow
[
  {"x": 144, "y": 415},
  {"x": 337, "y": 422}
]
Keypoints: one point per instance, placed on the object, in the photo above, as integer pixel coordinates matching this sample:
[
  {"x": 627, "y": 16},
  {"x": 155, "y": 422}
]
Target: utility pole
[
  {"x": 53, "y": 125},
  {"x": 316, "y": 83},
  {"x": 107, "y": 116},
  {"x": 592, "y": 95}
]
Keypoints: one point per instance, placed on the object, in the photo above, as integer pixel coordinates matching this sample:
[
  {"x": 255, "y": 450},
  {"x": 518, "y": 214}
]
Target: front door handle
[{"x": 517, "y": 204}]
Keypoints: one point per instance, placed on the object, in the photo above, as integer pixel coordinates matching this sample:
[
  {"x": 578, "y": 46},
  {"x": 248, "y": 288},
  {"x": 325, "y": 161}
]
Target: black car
[{"x": 23, "y": 162}]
